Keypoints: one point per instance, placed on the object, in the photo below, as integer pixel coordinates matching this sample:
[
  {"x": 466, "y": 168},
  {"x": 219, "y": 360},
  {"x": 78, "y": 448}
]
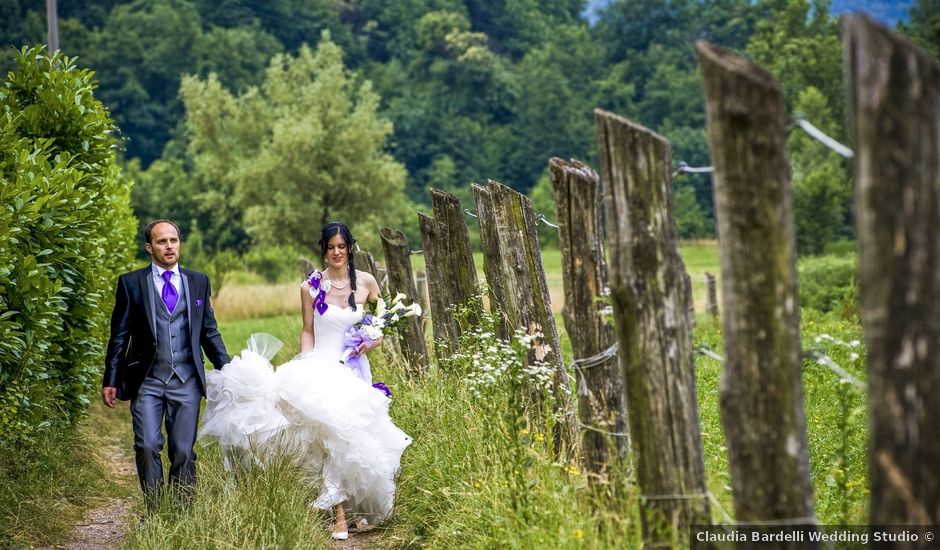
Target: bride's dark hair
[{"x": 329, "y": 231}]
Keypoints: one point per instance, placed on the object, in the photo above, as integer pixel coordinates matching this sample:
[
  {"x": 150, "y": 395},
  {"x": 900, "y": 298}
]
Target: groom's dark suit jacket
[{"x": 132, "y": 347}]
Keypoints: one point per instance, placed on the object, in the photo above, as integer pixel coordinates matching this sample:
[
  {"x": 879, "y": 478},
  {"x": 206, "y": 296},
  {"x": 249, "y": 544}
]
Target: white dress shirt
[{"x": 175, "y": 279}]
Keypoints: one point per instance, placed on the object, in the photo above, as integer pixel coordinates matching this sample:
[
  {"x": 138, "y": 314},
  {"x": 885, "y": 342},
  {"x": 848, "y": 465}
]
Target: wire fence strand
[{"x": 820, "y": 136}]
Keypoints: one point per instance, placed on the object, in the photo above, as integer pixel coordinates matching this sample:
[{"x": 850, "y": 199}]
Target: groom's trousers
[{"x": 175, "y": 403}]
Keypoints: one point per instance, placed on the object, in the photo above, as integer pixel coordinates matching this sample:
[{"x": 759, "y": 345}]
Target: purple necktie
[{"x": 169, "y": 294}]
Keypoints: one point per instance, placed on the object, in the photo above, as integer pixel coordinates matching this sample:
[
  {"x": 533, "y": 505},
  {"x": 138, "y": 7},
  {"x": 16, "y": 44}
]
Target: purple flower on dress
[
  {"x": 319, "y": 298},
  {"x": 383, "y": 388},
  {"x": 198, "y": 303}
]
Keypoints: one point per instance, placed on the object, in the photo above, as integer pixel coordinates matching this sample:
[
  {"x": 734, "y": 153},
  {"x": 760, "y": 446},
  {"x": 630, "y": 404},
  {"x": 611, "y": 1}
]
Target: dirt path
[
  {"x": 360, "y": 541},
  {"x": 107, "y": 520}
]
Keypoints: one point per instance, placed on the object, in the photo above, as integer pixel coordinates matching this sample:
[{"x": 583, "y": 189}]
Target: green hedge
[{"x": 66, "y": 231}]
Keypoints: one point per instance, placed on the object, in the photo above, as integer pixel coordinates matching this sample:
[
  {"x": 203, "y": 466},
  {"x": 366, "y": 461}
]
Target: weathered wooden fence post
[
  {"x": 365, "y": 261},
  {"x": 398, "y": 259},
  {"x": 601, "y": 407},
  {"x": 489, "y": 239},
  {"x": 513, "y": 267},
  {"x": 761, "y": 388},
  {"x": 651, "y": 296},
  {"x": 381, "y": 275},
  {"x": 711, "y": 296},
  {"x": 463, "y": 272},
  {"x": 443, "y": 324},
  {"x": 894, "y": 108},
  {"x": 452, "y": 276},
  {"x": 306, "y": 266}
]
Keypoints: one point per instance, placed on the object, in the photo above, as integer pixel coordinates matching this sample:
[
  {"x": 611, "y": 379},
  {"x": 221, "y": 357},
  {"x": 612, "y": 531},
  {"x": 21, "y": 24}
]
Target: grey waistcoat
[{"x": 174, "y": 348}]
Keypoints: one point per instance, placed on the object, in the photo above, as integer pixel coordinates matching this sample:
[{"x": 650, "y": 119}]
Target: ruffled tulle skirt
[{"x": 319, "y": 412}]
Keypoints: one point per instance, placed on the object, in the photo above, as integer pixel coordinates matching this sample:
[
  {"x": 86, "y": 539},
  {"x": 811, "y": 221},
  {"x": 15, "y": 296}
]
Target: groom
[{"x": 161, "y": 324}]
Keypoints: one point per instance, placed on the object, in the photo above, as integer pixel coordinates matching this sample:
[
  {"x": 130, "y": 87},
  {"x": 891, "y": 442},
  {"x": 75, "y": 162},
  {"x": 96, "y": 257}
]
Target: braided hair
[{"x": 329, "y": 231}]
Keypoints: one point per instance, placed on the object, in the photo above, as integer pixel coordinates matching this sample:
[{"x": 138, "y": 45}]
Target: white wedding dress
[{"x": 316, "y": 409}]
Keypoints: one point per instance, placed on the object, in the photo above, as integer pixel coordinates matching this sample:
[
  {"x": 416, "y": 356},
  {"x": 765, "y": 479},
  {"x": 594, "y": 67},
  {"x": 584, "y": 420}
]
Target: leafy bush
[
  {"x": 829, "y": 283},
  {"x": 277, "y": 263},
  {"x": 65, "y": 233},
  {"x": 840, "y": 248}
]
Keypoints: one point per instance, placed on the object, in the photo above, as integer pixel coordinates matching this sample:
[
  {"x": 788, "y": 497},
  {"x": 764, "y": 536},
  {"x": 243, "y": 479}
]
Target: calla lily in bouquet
[{"x": 372, "y": 327}]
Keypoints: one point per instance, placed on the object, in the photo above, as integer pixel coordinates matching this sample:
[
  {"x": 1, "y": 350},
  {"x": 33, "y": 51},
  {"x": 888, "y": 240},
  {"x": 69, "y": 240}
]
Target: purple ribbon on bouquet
[{"x": 351, "y": 339}]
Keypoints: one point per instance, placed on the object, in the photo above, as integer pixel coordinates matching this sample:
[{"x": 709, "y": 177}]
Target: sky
[{"x": 888, "y": 12}]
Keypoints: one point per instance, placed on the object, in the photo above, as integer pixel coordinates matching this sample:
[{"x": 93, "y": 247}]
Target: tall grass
[
  {"x": 262, "y": 508},
  {"x": 456, "y": 489},
  {"x": 836, "y": 417},
  {"x": 46, "y": 487},
  {"x": 256, "y": 300}
]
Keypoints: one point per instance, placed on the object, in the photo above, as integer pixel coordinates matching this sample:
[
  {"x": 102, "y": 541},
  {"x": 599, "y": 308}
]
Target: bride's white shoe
[{"x": 340, "y": 535}]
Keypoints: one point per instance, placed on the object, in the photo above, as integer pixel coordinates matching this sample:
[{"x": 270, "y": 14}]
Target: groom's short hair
[{"x": 154, "y": 223}]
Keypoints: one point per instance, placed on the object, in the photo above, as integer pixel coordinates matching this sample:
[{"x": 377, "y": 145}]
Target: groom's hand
[{"x": 108, "y": 395}]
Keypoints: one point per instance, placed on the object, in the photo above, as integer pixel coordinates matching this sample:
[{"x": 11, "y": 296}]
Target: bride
[{"x": 314, "y": 406}]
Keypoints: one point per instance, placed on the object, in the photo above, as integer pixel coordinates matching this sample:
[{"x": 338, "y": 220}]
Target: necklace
[{"x": 337, "y": 286}]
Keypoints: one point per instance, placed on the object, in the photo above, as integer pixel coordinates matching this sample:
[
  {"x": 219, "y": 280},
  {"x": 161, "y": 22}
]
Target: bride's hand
[{"x": 364, "y": 347}]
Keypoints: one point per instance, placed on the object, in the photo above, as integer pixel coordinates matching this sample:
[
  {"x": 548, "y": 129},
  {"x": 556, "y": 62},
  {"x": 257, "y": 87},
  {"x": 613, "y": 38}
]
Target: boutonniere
[{"x": 199, "y": 303}]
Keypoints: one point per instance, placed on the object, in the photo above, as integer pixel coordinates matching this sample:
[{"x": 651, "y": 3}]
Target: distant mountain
[{"x": 889, "y": 12}]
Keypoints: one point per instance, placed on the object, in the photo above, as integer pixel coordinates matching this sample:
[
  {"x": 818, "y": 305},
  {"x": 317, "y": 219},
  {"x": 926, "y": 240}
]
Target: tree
[
  {"x": 305, "y": 148},
  {"x": 553, "y": 116},
  {"x": 924, "y": 25},
  {"x": 19, "y": 26},
  {"x": 799, "y": 44},
  {"x": 516, "y": 27},
  {"x": 822, "y": 192},
  {"x": 456, "y": 100}
]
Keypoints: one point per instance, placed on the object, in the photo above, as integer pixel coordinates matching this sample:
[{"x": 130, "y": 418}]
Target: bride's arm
[{"x": 306, "y": 311}]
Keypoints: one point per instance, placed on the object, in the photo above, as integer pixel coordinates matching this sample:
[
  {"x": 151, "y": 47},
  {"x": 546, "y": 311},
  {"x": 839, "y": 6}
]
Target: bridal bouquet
[{"x": 372, "y": 327}]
